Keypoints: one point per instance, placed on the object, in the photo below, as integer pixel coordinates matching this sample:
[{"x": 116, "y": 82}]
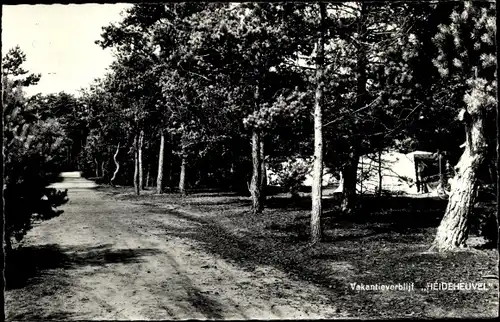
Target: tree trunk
[
  {"x": 493, "y": 173},
  {"x": 159, "y": 179},
  {"x": 442, "y": 182},
  {"x": 113, "y": 178},
  {"x": 96, "y": 167},
  {"x": 136, "y": 166},
  {"x": 255, "y": 185},
  {"x": 417, "y": 174},
  {"x": 351, "y": 170},
  {"x": 232, "y": 180},
  {"x": 103, "y": 169},
  {"x": 263, "y": 175},
  {"x": 361, "y": 178},
  {"x": 182, "y": 177},
  {"x": 171, "y": 173},
  {"x": 379, "y": 191},
  {"x": 257, "y": 150},
  {"x": 453, "y": 231},
  {"x": 350, "y": 175},
  {"x": 148, "y": 172},
  {"x": 317, "y": 189},
  {"x": 139, "y": 156}
]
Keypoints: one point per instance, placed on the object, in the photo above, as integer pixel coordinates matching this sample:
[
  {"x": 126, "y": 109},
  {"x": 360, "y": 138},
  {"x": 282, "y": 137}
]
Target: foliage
[
  {"x": 32, "y": 143},
  {"x": 207, "y": 74},
  {"x": 466, "y": 59},
  {"x": 289, "y": 175}
]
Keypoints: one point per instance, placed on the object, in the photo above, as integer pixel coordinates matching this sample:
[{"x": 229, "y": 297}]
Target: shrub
[
  {"x": 30, "y": 165},
  {"x": 289, "y": 175},
  {"x": 32, "y": 141}
]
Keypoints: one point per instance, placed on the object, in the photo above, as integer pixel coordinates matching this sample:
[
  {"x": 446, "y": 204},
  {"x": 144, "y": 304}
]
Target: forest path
[{"x": 105, "y": 258}]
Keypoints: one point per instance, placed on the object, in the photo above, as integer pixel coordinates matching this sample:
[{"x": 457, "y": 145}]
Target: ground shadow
[
  {"x": 205, "y": 304},
  {"x": 389, "y": 257},
  {"x": 210, "y": 308},
  {"x": 398, "y": 211},
  {"x": 34, "y": 316},
  {"x": 247, "y": 251},
  {"x": 298, "y": 202},
  {"x": 207, "y": 192},
  {"x": 26, "y": 263},
  {"x": 233, "y": 202},
  {"x": 384, "y": 218}
]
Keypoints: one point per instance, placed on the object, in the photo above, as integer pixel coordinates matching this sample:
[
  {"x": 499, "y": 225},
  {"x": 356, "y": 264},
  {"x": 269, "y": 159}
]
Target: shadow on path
[
  {"x": 248, "y": 250},
  {"x": 26, "y": 263},
  {"x": 210, "y": 308},
  {"x": 35, "y": 316}
]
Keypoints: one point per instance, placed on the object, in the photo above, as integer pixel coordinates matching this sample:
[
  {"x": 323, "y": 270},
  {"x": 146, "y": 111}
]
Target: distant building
[{"x": 412, "y": 173}]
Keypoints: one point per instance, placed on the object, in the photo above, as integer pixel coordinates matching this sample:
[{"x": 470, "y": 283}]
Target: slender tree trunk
[
  {"x": 263, "y": 175},
  {"x": 361, "y": 177},
  {"x": 232, "y": 174},
  {"x": 103, "y": 168},
  {"x": 170, "y": 164},
  {"x": 255, "y": 184},
  {"x": 379, "y": 192},
  {"x": 496, "y": 163},
  {"x": 96, "y": 167},
  {"x": 493, "y": 173},
  {"x": 417, "y": 174},
  {"x": 159, "y": 179},
  {"x": 152, "y": 182},
  {"x": 182, "y": 177},
  {"x": 139, "y": 157},
  {"x": 113, "y": 178},
  {"x": 137, "y": 187},
  {"x": 351, "y": 171},
  {"x": 171, "y": 174},
  {"x": 148, "y": 172},
  {"x": 317, "y": 189},
  {"x": 350, "y": 175},
  {"x": 441, "y": 185},
  {"x": 453, "y": 231}
]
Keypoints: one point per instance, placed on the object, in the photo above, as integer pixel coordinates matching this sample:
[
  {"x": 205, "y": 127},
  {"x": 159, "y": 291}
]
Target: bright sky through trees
[{"x": 59, "y": 42}]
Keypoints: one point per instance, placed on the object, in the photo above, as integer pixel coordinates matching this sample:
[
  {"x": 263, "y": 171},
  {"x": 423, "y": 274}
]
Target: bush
[
  {"x": 31, "y": 163},
  {"x": 29, "y": 169},
  {"x": 289, "y": 175}
]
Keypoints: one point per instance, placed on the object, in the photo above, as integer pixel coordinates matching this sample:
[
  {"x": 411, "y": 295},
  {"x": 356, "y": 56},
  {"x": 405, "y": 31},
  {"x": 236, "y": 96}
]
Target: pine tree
[{"x": 467, "y": 57}]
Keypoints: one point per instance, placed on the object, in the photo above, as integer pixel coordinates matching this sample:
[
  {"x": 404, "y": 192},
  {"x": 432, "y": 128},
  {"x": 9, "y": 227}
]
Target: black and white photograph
[{"x": 250, "y": 160}]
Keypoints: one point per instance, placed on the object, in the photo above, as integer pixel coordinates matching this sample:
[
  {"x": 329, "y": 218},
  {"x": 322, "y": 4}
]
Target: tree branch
[
  {"x": 199, "y": 75},
  {"x": 354, "y": 112}
]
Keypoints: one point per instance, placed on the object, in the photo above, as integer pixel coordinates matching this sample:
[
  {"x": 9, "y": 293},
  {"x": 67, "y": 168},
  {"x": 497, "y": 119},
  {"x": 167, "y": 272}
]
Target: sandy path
[{"x": 116, "y": 261}]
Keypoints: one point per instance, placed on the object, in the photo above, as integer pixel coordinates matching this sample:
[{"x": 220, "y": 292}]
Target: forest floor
[{"x": 114, "y": 255}]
